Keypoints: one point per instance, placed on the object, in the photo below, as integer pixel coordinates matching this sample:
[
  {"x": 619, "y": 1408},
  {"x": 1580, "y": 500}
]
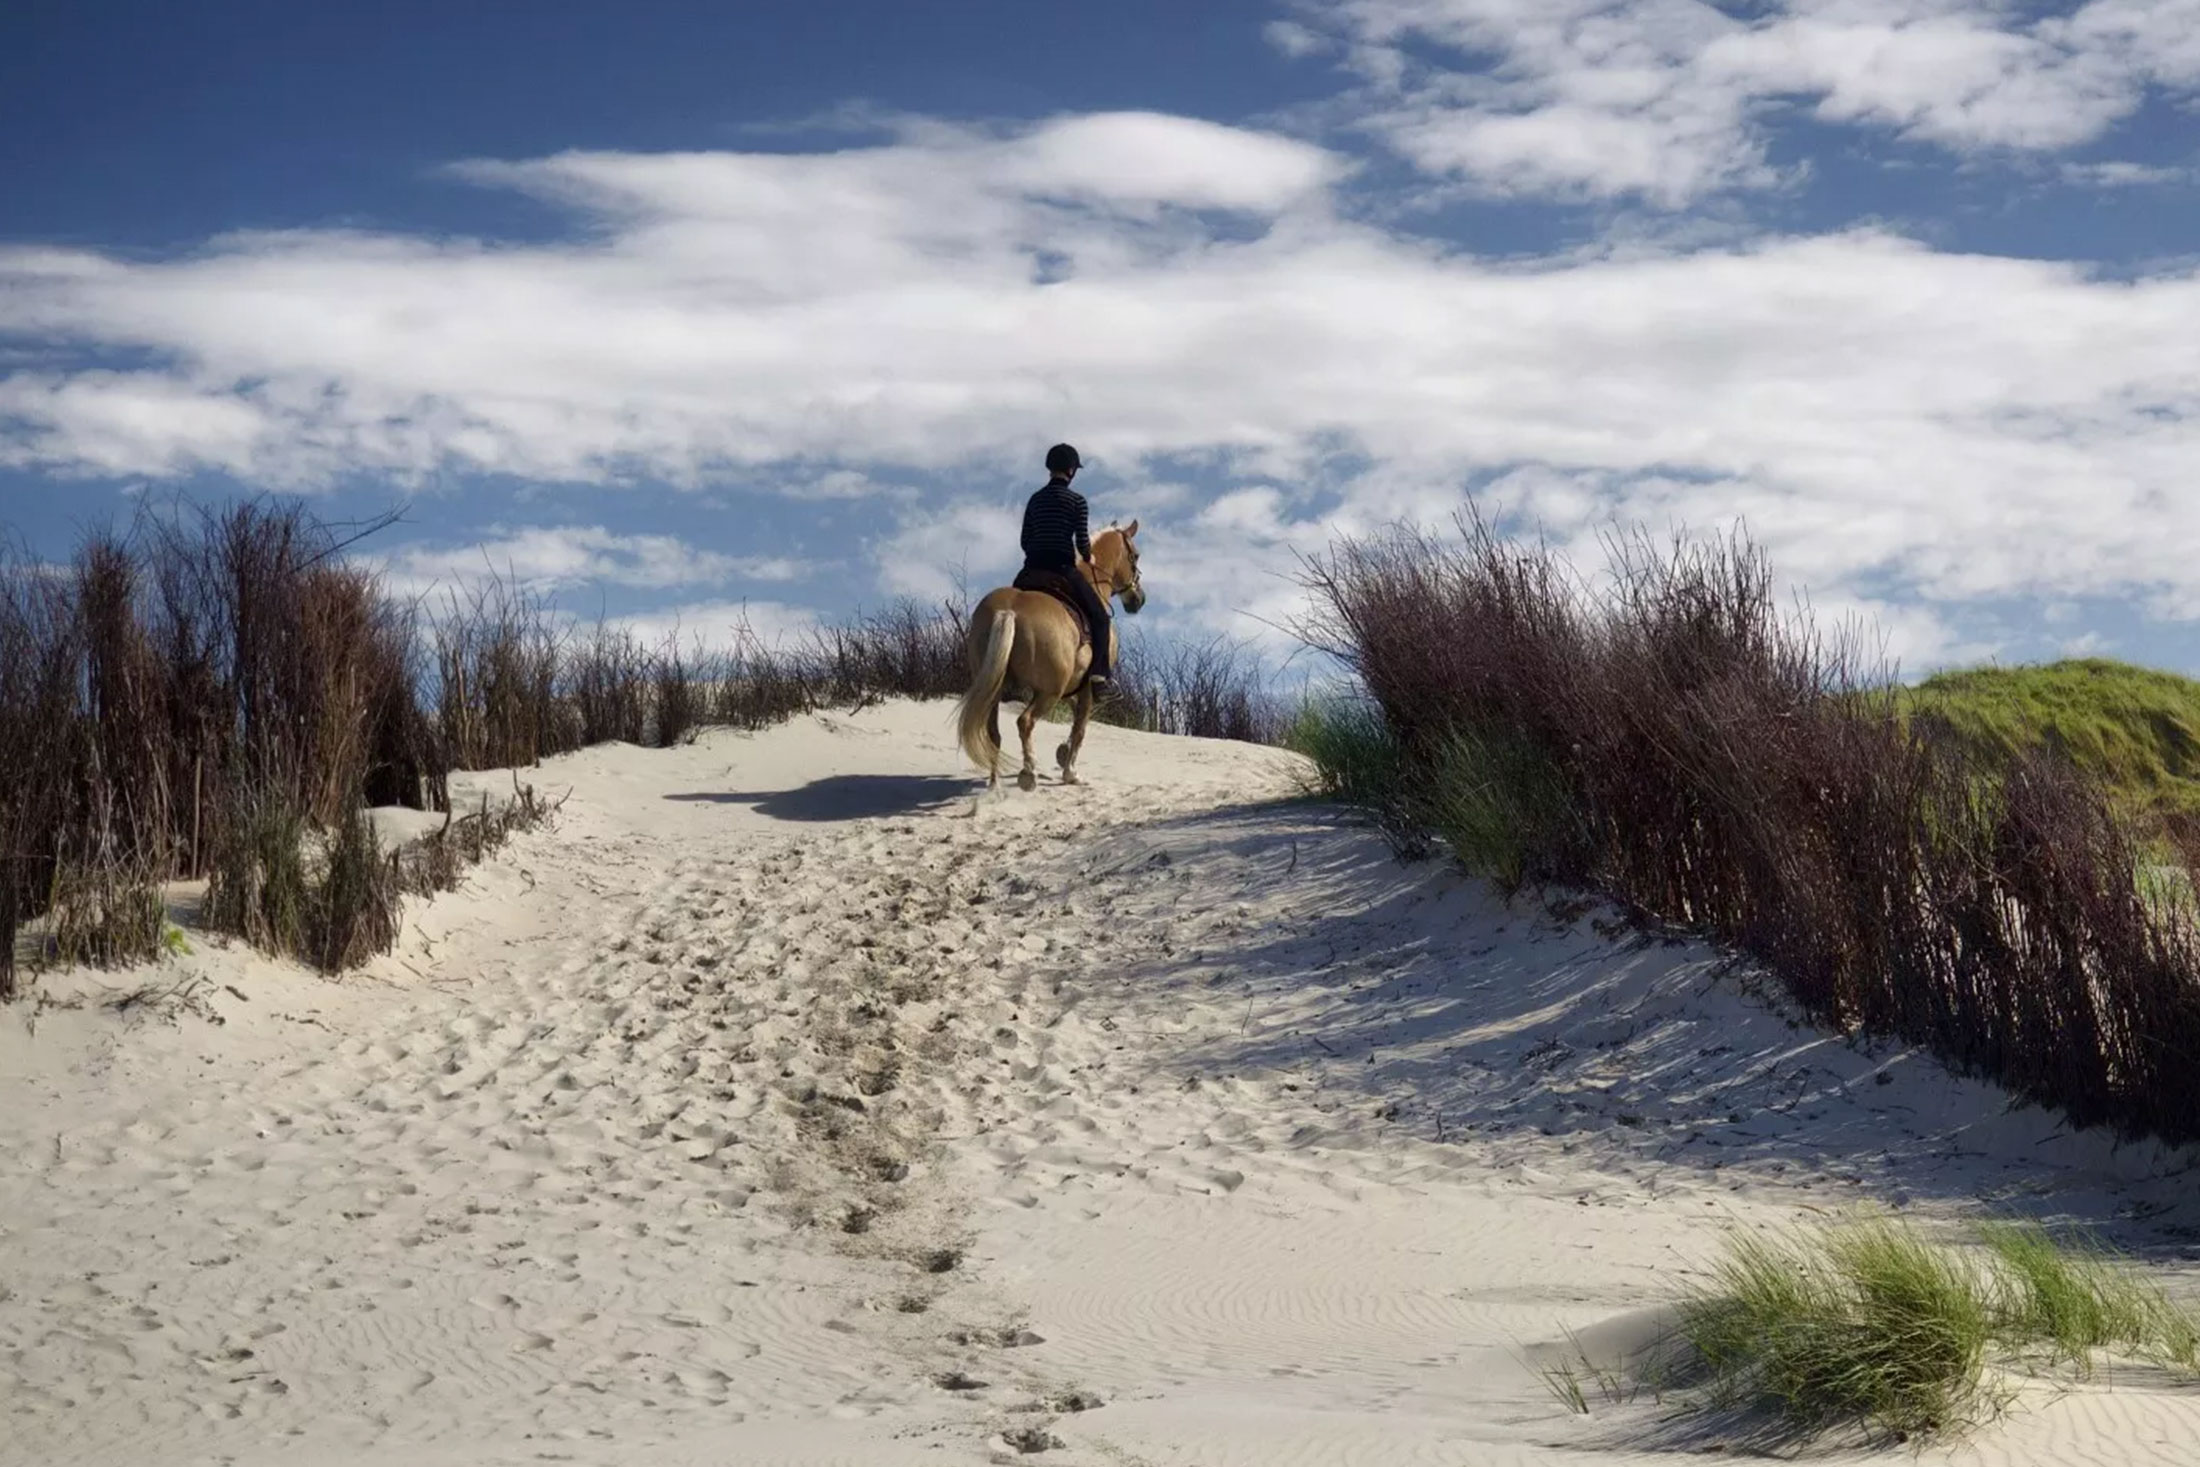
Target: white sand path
[{"x": 777, "y": 1108}]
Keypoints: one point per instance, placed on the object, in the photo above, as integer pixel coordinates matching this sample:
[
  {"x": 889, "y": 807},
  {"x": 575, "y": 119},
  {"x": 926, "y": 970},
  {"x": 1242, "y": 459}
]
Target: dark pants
[{"x": 1035, "y": 577}]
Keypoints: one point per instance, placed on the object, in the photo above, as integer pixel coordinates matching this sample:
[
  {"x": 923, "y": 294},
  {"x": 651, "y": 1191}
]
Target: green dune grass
[{"x": 2134, "y": 728}]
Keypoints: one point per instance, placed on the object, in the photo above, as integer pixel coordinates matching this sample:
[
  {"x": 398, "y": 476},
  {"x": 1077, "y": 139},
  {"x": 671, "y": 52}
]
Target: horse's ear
[{"x": 1130, "y": 531}]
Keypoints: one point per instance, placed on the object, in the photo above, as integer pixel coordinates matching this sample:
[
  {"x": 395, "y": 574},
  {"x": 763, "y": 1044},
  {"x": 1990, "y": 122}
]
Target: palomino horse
[{"x": 1023, "y": 645}]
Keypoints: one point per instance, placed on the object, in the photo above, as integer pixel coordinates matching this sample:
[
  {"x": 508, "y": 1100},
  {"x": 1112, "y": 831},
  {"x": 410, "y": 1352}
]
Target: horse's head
[{"x": 1115, "y": 562}]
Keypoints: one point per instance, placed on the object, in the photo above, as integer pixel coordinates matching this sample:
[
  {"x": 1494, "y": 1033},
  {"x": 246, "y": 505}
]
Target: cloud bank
[
  {"x": 1669, "y": 100},
  {"x": 1166, "y": 292},
  {"x": 544, "y": 559}
]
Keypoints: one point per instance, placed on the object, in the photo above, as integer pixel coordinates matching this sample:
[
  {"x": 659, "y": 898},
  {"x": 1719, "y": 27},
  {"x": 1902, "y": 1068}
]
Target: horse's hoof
[
  {"x": 1069, "y": 776},
  {"x": 1061, "y": 755},
  {"x": 1027, "y": 780}
]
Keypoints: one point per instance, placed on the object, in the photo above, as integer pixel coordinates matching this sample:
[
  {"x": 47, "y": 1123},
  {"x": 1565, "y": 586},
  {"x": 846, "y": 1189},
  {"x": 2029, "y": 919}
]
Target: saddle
[{"x": 1058, "y": 585}]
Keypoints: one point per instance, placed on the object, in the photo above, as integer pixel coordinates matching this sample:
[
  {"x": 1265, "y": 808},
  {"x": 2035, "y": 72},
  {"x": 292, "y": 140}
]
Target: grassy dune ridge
[{"x": 2136, "y": 729}]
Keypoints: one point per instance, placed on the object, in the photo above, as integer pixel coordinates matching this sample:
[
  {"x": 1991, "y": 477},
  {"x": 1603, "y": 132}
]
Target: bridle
[
  {"x": 1133, "y": 593},
  {"x": 1133, "y": 588}
]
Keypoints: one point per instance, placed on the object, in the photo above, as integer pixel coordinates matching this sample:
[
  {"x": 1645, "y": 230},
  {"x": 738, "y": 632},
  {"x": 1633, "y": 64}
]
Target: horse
[{"x": 1024, "y": 645}]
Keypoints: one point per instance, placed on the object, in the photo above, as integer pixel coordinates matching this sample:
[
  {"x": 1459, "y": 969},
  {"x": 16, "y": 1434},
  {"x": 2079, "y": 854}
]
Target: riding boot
[
  {"x": 1101, "y": 667},
  {"x": 1097, "y": 625}
]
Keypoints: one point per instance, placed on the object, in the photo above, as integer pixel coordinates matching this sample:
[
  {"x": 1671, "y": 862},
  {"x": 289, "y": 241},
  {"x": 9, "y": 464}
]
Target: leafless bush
[
  {"x": 176, "y": 696},
  {"x": 909, "y": 650},
  {"x": 407, "y": 764},
  {"x": 498, "y": 653},
  {"x": 1678, "y": 747},
  {"x": 40, "y": 731},
  {"x": 259, "y": 888},
  {"x": 679, "y": 699},
  {"x": 435, "y": 862},
  {"x": 607, "y": 678},
  {"x": 762, "y": 684},
  {"x": 105, "y": 909},
  {"x": 329, "y": 897},
  {"x": 354, "y": 907},
  {"x": 1216, "y": 689},
  {"x": 125, "y": 772},
  {"x": 906, "y": 651}
]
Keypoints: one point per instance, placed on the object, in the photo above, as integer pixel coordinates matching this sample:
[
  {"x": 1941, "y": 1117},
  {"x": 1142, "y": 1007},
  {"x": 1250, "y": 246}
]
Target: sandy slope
[{"x": 784, "y": 1104}]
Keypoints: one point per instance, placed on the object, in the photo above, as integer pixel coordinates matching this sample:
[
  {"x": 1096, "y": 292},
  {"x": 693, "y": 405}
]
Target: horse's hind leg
[
  {"x": 993, "y": 733},
  {"x": 1028, "y": 779},
  {"x": 1066, "y": 754}
]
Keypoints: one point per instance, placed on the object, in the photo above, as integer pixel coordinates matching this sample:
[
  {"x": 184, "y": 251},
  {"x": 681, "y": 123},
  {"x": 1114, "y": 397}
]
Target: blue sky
[{"x": 676, "y": 309}]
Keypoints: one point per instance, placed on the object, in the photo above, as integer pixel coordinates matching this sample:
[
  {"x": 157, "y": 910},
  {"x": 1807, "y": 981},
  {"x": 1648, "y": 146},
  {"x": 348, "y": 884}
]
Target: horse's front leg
[
  {"x": 1066, "y": 755},
  {"x": 1028, "y": 779}
]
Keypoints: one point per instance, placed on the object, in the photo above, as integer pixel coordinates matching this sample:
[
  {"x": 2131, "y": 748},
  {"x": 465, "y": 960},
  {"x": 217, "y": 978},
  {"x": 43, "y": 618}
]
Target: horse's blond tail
[{"x": 974, "y": 718}]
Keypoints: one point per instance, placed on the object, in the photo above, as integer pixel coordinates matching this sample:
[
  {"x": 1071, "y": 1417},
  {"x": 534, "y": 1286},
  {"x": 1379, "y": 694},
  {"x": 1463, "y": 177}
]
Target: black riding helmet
[{"x": 1061, "y": 458}]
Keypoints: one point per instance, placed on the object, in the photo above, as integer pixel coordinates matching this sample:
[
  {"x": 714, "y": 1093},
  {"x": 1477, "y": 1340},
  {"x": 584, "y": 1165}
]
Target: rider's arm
[{"x": 1080, "y": 519}]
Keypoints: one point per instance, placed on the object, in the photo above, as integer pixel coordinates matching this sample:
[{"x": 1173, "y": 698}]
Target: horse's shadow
[{"x": 847, "y": 796}]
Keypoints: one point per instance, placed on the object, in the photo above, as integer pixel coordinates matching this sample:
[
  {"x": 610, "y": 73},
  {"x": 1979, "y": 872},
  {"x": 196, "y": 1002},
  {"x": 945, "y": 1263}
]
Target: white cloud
[
  {"x": 1139, "y": 158},
  {"x": 741, "y": 309},
  {"x": 547, "y": 558},
  {"x": 1910, "y": 639},
  {"x": 2087, "y": 644},
  {"x": 722, "y": 626},
  {"x": 1665, "y": 100},
  {"x": 838, "y": 484},
  {"x": 1293, "y": 39},
  {"x": 947, "y": 304},
  {"x": 936, "y": 553},
  {"x": 125, "y": 423},
  {"x": 1565, "y": 150},
  {"x": 2123, "y": 175}
]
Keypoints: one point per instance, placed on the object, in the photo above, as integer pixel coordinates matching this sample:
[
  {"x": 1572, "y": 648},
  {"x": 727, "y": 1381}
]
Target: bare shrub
[
  {"x": 407, "y": 764},
  {"x": 219, "y": 694},
  {"x": 607, "y": 678},
  {"x": 327, "y": 897},
  {"x": 1675, "y": 745},
  {"x": 40, "y": 734},
  {"x": 1216, "y": 689},
  {"x": 909, "y": 650},
  {"x": 762, "y": 685},
  {"x": 125, "y": 771},
  {"x": 435, "y": 862},
  {"x": 258, "y": 888},
  {"x": 352, "y": 911},
  {"x": 498, "y": 651},
  {"x": 679, "y": 706},
  {"x": 105, "y": 909}
]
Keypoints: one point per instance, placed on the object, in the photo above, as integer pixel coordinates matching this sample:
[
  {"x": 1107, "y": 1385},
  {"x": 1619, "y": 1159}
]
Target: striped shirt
[{"x": 1055, "y": 523}]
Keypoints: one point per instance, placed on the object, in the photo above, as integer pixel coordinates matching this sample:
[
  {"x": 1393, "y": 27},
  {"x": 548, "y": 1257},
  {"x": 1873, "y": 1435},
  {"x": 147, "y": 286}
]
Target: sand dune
[{"x": 788, "y": 1103}]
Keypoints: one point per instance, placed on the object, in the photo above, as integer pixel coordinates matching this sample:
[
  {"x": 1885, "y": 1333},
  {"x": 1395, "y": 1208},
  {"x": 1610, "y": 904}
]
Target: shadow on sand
[
  {"x": 847, "y": 796},
  {"x": 1413, "y": 992}
]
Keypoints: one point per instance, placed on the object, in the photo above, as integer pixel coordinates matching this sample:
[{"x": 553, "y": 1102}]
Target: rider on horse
[
  {"x": 1024, "y": 643},
  {"x": 1056, "y": 548}
]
